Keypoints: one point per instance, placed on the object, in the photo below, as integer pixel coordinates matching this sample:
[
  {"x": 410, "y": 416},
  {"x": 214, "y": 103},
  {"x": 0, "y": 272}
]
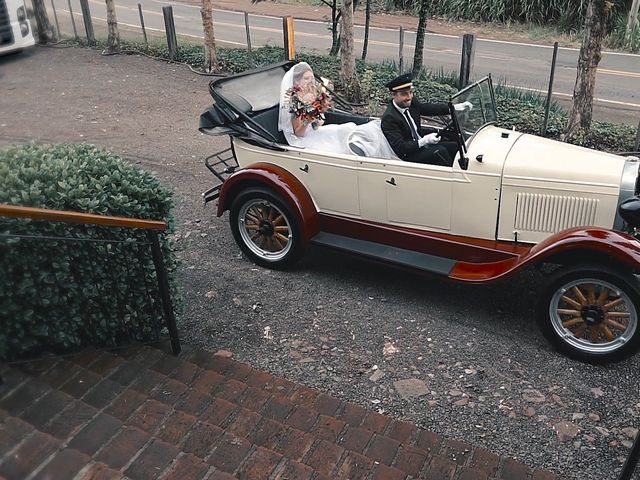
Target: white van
[{"x": 15, "y": 29}]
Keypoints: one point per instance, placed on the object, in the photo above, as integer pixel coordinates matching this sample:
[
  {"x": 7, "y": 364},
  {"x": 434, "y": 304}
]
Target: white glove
[
  {"x": 429, "y": 139},
  {"x": 461, "y": 107}
]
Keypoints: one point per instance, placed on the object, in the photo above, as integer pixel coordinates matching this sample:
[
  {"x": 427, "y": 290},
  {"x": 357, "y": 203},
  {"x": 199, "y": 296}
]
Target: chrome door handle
[
  {"x": 305, "y": 169},
  {"x": 392, "y": 181}
]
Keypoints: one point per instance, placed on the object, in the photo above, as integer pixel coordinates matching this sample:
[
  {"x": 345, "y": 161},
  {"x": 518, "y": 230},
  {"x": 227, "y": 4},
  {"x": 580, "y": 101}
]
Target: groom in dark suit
[{"x": 401, "y": 126}]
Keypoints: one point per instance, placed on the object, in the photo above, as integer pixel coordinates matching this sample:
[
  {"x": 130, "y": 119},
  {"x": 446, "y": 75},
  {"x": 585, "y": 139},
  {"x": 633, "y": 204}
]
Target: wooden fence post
[
  {"x": 401, "y": 51},
  {"x": 550, "y": 91},
  {"x": 88, "y": 24},
  {"x": 55, "y": 17},
  {"x": 466, "y": 64},
  {"x": 248, "y": 30},
  {"x": 289, "y": 41},
  {"x": 144, "y": 30},
  {"x": 73, "y": 22},
  {"x": 637, "y": 145},
  {"x": 170, "y": 29}
]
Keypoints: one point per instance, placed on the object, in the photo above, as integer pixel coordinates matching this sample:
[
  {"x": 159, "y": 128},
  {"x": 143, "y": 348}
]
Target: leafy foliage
[{"x": 59, "y": 292}]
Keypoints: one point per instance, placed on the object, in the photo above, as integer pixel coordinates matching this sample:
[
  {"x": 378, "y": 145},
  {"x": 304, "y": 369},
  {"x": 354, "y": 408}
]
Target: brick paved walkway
[{"x": 144, "y": 414}]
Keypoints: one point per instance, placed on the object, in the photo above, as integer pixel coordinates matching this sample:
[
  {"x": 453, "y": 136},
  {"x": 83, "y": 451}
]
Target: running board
[{"x": 379, "y": 251}]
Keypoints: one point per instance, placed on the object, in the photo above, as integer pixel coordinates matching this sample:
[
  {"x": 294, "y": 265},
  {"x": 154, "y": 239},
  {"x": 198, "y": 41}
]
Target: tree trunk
[
  {"x": 350, "y": 82},
  {"x": 418, "y": 51},
  {"x": 367, "y": 21},
  {"x": 210, "y": 54},
  {"x": 44, "y": 30},
  {"x": 590, "y": 54},
  {"x": 335, "y": 34},
  {"x": 633, "y": 18},
  {"x": 113, "y": 39}
]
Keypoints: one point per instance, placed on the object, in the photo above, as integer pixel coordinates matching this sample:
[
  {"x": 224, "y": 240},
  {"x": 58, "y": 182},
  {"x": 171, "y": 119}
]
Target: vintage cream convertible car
[{"x": 511, "y": 200}]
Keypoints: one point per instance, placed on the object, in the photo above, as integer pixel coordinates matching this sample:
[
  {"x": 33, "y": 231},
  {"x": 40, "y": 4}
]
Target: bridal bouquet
[{"x": 308, "y": 103}]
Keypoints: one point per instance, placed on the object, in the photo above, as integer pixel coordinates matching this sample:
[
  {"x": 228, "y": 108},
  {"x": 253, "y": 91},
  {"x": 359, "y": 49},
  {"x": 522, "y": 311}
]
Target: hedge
[{"x": 60, "y": 295}]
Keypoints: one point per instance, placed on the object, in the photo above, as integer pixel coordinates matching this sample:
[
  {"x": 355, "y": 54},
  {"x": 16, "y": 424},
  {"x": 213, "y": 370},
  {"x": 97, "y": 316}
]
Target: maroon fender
[
  {"x": 283, "y": 183},
  {"x": 584, "y": 241}
]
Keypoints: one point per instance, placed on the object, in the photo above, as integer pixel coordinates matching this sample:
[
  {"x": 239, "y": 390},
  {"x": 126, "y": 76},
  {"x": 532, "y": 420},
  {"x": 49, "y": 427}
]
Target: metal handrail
[{"x": 152, "y": 228}]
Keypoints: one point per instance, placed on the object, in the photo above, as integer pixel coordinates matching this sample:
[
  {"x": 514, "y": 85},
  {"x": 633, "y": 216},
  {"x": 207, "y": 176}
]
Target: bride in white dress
[{"x": 368, "y": 138}]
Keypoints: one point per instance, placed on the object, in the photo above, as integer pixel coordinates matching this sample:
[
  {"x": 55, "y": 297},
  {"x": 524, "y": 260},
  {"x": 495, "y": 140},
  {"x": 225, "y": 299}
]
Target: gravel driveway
[{"x": 349, "y": 327}]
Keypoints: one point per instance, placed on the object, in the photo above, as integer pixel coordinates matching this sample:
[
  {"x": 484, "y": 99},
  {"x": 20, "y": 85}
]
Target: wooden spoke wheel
[
  {"x": 592, "y": 314},
  {"x": 264, "y": 228}
]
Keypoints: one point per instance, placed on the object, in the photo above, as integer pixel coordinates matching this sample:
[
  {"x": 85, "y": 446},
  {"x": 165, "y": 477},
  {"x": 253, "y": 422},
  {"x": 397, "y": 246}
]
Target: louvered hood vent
[{"x": 553, "y": 213}]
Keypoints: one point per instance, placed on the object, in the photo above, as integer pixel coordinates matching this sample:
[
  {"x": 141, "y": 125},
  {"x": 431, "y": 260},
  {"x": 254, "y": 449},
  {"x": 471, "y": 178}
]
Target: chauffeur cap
[{"x": 400, "y": 83}]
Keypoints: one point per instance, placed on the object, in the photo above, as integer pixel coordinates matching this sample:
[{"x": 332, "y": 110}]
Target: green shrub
[{"x": 57, "y": 291}]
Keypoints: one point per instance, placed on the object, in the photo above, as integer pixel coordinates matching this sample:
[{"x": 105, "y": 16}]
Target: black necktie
[{"x": 414, "y": 134}]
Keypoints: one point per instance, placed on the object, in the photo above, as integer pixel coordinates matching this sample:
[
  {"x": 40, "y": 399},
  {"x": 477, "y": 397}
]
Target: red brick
[
  {"x": 46, "y": 408},
  {"x": 81, "y": 383},
  {"x": 123, "y": 447},
  {"x": 194, "y": 402},
  {"x": 457, "y": 451},
  {"x": 280, "y": 387},
  {"x": 153, "y": 460},
  {"x": 29, "y": 455},
  {"x": 147, "y": 381},
  {"x": 199, "y": 357},
  {"x": 258, "y": 379},
  {"x": 65, "y": 464},
  {"x": 254, "y": 399},
  {"x": 217, "y": 363},
  {"x": 326, "y": 405},
  {"x": 99, "y": 471},
  {"x": 106, "y": 363},
  {"x": 277, "y": 408},
  {"x": 238, "y": 371},
  {"x": 295, "y": 471},
  {"x": 186, "y": 373},
  {"x": 229, "y": 453},
  {"x": 268, "y": 434},
  {"x": 356, "y": 439},
  {"x": 382, "y": 472},
  {"x": 231, "y": 390},
  {"x": 244, "y": 423},
  {"x": 176, "y": 427},
  {"x": 382, "y": 449},
  {"x": 126, "y": 373},
  {"x": 514, "y": 470},
  {"x": 207, "y": 382},
  {"x": 429, "y": 441},
  {"x": 218, "y": 412},
  {"x": 410, "y": 460},
  {"x": 302, "y": 418},
  {"x": 472, "y": 474},
  {"x": 355, "y": 467},
  {"x": 484, "y": 460},
  {"x": 59, "y": 373},
  {"x": 328, "y": 428},
  {"x": 220, "y": 475},
  {"x": 86, "y": 357},
  {"x": 70, "y": 420},
  {"x": 304, "y": 396},
  {"x": 402, "y": 431},
  {"x": 166, "y": 365},
  {"x": 95, "y": 434},
  {"x": 202, "y": 439},
  {"x": 23, "y": 396},
  {"x": 125, "y": 404},
  {"x": 12, "y": 431},
  {"x": 295, "y": 445},
  {"x": 169, "y": 392},
  {"x": 324, "y": 457},
  {"x": 259, "y": 465},
  {"x": 544, "y": 475},
  {"x": 149, "y": 416},
  {"x": 352, "y": 414},
  {"x": 376, "y": 422},
  {"x": 440, "y": 468},
  {"x": 103, "y": 393},
  {"x": 187, "y": 467}
]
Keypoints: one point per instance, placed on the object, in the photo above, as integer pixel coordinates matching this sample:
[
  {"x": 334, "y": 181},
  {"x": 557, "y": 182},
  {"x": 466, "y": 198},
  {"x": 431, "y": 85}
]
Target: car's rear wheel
[
  {"x": 265, "y": 228},
  {"x": 590, "y": 313}
]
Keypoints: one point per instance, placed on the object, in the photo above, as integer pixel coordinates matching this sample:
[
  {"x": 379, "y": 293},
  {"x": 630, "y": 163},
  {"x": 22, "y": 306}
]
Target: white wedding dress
[{"x": 368, "y": 138}]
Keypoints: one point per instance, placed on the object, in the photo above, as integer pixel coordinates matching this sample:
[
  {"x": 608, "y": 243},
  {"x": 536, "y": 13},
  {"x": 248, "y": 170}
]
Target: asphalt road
[
  {"x": 526, "y": 66},
  {"x": 333, "y": 321}
]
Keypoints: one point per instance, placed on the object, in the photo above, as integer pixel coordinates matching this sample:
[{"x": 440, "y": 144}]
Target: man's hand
[
  {"x": 430, "y": 139},
  {"x": 461, "y": 107}
]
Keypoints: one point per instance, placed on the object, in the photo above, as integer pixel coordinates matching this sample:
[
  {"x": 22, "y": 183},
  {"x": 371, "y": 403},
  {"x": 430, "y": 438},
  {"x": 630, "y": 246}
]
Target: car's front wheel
[
  {"x": 590, "y": 313},
  {"x": 265, "y": 228}
]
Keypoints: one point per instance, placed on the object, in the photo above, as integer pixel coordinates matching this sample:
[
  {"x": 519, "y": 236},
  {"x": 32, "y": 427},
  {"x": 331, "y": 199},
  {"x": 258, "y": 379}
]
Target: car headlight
[
  {"x": 22, "y": 14},
  {"x": 24, "y": 29}
]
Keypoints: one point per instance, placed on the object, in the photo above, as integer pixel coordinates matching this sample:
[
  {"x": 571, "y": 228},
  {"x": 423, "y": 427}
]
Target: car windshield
[{"x": 480, "y": 94}]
